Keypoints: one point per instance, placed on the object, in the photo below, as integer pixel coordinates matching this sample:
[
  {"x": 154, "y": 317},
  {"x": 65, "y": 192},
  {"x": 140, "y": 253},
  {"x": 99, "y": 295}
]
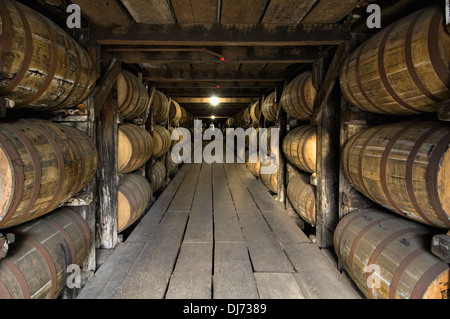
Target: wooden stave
[
  {"x": 134, "y": 193},
  {"x": 137, "y": 143},
  {"x": 132, "y": 97},
  {"x": 175, "y": 113},
  {"x": 297, "y": 144},
  {"x": 255, "y": 112},
  {"x": 269, "y": 180},
  {"x": 61, "y": 86},
  {"x": 161, "y": 108},
  {"x": 302, "y": 196},
  {"x": 158, "y": 175},
  {"x": 36, "y": 265},
  {"x": 60, "y": 159},
  {"x": 161, "y": 141},
  {"x": 295, "y": 99},
  {"x": 269, "y": 108},
  {"x": 424, "y": 137},
  {"x": 400, "y": 247},
  {"x": 429, "y": 78}
]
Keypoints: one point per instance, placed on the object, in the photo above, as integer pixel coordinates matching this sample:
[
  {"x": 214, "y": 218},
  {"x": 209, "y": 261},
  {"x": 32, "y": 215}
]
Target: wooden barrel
[
  {"x": 158, "y": 175},
  {"x": 36, "y": 264},
  {"x": 174, "y": 142},
  {"x": 229, "y": 123},
  {"x": 388, "y": 257},
  {"x": 265, "y": 140},
  {"x": 173, "y": 167},
  {"x": 133, "y": 196},
  {"x": 161, "y": 141},
  {"x": 161, "y": 107},
  {"x": 270, "y": 180},
  {"x": 299, "y": 146},
  {"x": 246, "y": 116},
  {"x": 403, "y": 167},
  {"x": 254, "y": 167},
  {"x": 403, "y": 69},
  {"x": 269, "y": 108},
  {"x": 298, "y": 97},
  {"x": 186, "y": 117},
  {"x": 42, "y": 165},
  {"x": 41, "y": 67},
  {"x": 134, "y": 148},
  {"x": 175, "y": 113},
  {"x": 302, "y": 196},
  {"x": 255, "y": 112},
  {"x": 132, "y": 96}
]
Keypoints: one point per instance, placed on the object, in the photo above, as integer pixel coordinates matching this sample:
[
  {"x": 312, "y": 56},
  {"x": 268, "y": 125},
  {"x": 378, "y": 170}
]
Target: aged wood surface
[{"x": 207, "y": 236}]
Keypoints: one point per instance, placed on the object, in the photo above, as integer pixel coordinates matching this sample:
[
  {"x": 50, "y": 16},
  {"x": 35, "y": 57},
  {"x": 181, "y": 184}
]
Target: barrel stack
[
  {"x": 41, "y": 68},
  {"x": 400, "y": 165}
]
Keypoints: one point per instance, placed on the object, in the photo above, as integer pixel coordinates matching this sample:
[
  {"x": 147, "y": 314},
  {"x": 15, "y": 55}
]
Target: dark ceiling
[{"x": 240, "y": 49}]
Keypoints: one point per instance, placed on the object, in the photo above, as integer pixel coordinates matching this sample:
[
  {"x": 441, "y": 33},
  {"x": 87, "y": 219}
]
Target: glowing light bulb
[{"x": 214, "y": 100}]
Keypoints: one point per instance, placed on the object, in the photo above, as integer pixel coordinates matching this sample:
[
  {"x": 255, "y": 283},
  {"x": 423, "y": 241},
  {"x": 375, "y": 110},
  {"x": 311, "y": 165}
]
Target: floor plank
[
  {"x": 182, "y": 201},
  {"x": 150, "y": 274},
  {"x": 278, "y": 286},
  {"x": 215, "y": 232},
  {"x": 322, "y": 279},
  {"x": 112, "y": 272},
  {"x": 265, "y": 251},
  {"x": 193, "y": 273},
  {"x": 233, "y": 273}
]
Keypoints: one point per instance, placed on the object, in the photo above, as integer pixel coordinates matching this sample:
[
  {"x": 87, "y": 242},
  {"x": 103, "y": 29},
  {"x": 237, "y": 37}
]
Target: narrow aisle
[{"x": 216, "y": 232}]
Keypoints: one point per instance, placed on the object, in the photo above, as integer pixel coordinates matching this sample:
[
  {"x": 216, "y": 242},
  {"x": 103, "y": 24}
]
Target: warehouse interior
[{"x": 93, "y": 205}]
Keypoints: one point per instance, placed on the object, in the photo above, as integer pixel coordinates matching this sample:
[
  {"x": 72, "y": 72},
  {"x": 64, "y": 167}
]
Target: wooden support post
[
  {"x": 443, "y": 111},
  {"x": 327, "y": 159},
  {"x": 352, "y": 121},
  {"x": 107, "y": 131},
  {"x": 281, "y": 123},
  {"x": 89, "y": 193},
  {"x": 149, "y": 127},
  {"x": 3, "y": 106}
]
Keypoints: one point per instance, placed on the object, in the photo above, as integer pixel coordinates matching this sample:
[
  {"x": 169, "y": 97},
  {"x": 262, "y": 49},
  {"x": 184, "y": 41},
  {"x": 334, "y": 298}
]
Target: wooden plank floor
[{"x": 216, "y": 232}]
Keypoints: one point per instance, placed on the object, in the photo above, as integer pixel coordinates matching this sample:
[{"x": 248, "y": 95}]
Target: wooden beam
[
  {"x": 327, "y": 161},
  {"x": 107, "y": 131},
  {"x": 221, "y": 34},
  {"x": 443, "y": 111},
  {"x": 188, "y": 100},
  {"x": 210, "y": 75},
  {"x": 105, "y": 85},
  {"x": 329, "y": 82},
  {"x": 139, "y": 54}
]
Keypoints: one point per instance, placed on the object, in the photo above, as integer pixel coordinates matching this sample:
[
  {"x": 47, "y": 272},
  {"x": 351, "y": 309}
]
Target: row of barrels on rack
[
  {"x": 133, "y": 102},
  {"x": 41, "y": 259},
  {"x": 41, "y": 66},
  {"x": 401, "y": 166},
  {"x": 42, "y": 164},
  {"x": 245, "y": 118},
  {"x": 136, "y": 146}
]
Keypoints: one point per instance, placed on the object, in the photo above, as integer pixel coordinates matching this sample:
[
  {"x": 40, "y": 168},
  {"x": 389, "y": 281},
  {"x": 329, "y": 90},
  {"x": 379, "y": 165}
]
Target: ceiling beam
[
  {"x": 141, "y": 54},
  {"x": 197, "y": 100},
  {"x": 221, "y": 34},
  {"x": 214, "y": 76}
]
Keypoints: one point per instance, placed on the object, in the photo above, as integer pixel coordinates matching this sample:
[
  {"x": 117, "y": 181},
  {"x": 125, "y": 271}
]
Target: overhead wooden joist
[
  {"x": 236, "y": 93},
  {"x": 139, "y": 54},
  {"x": 208, "y": 76},
  {"x": 222, "y": 34},
  {"x": 207, "y": 100}
]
